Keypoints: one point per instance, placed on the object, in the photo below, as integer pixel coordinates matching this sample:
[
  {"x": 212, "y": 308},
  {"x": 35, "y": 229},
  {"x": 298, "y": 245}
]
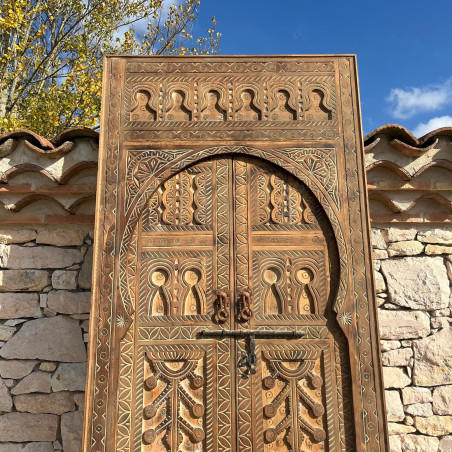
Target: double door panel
[{"x": 219, "y": 229}]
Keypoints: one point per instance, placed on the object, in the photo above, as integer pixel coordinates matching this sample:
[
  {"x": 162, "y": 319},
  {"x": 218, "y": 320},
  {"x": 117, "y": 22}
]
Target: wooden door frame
[{"x": 345, "y": 205}]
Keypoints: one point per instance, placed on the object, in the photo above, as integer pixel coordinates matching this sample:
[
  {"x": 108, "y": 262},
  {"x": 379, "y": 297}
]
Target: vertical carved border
[
  {"x": 223, "y": 275},
  {"x": 370, "y": 391},
  {"x": 97, "y": 394},
  {"x": 244, "y": 387}
]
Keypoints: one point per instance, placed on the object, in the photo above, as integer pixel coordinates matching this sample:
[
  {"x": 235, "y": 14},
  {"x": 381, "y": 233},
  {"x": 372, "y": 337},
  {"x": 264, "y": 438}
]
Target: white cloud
[
  {"x": 141, "y": 25},
  {"x": 435, "y": 123},
  {"x": 406, "y": 103}
]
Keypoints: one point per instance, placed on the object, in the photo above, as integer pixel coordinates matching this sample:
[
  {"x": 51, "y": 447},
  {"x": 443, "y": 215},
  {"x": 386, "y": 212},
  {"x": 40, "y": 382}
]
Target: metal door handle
[
  {"x": 222, "y": 306},
  {"x": 245, "y": 305}
]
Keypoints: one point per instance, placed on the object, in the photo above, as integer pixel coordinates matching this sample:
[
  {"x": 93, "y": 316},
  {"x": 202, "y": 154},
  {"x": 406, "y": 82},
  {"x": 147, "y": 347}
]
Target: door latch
[{"x": 248, "y": 360}]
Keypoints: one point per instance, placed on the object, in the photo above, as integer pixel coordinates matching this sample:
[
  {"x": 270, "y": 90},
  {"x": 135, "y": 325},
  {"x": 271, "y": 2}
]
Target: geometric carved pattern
[
  {"x": 174, "y": 401},
  {"x": 174, "y": 285},
  {"x": 293, "y": 400},
  {"x": 224, "y": 175},
  {"x": 289, "y": 284},
  {"x": 287, "y": 287},
  {"x": 184, "y": 200},
  {"x": 279, "y": 202}
]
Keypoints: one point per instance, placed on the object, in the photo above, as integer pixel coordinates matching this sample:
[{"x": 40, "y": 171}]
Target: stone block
[
  {"x": 29, "y": 447},
  {"x": 84, "y": 277},
  {"x": 380, "y": 285},
  {"x": 15, "y": 305},
  {"x": 35, "y": 382},
  {"x": 399, "y": 357},
  {"x": 48, "y": 367},
  {"x": 23, "y": 427},
  {"x": 389, "y": 345},
  {"x": 432, "y": 359},
  {"x": 440, "y": 322},
  {"x": 20, "y": 257},
  {"x": 419, "y": 409},
  {"x": 413, "y": 394},
  {"x": 394, "y": 444},
  {"x": 16, "y": 369},
  {"x": 442, "y": 400},
  {"x": 394, "y": 407},
  {"x": 378, "y": 241},
  {"x": 71, "y": 431},
  {"x": 405, "y": 248},
  {"x": 61, "y": 237},
  {"x": 64, "y": 279},
  {"x": 403, "y": 324},
  {"x": 445, "y": 444},
  {"x": 51, "y": 339},
  {"x": 6, "y": 332},
  {"x": 56, "y": 403},
  {"x": 417, "y": 282},
  {"x": 395, "y": 377},
  {"x": 66, "y": 302},
  {"x": 434, "y": 425},
  {"x": 8, "y": 236},
  {"x": 399, "y": 429},
  {"x": 380, "y": 254},
  {"x": 399, "y": 234},
  {"x": 80, "y": 400},
  {"x": 434, "y": 250},
  {"x": 6, "y": 401},
  {"x": 419, "y": 443},
  {"x": 23, "y": 280},
  {"x": 69, "y": 377},
  {"x": 441, "y": 236}
]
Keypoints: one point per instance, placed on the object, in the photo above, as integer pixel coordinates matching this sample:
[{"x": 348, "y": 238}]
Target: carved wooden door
[
  {"x": 233, "y": 298},
  {"x": 236, "y": 244}
]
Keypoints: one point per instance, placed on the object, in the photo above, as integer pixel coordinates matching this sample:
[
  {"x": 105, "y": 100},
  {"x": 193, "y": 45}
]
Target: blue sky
[{"x": 404, "y": 48}]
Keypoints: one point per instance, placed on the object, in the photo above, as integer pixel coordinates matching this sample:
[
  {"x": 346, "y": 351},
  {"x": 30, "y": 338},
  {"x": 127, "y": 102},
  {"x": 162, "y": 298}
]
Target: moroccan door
[
  {"x": 236, "y": 244},
  {"x": 233, "y": 297}
]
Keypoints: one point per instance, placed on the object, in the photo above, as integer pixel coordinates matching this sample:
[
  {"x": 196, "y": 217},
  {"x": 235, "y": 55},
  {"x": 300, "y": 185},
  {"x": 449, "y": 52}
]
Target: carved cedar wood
[{"x": 233, "y": 302}]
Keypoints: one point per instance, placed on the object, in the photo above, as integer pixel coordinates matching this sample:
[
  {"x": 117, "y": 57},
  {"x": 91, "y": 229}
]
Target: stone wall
[
  {"x": 46, "y": 227},
  {"x": 413, "y": 268},
  {"x": 410, "y": 194}
]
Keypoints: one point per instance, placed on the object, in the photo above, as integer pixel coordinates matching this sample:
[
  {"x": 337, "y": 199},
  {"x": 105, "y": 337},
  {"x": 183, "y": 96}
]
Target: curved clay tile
[
  {"x": 412, "y": 151},
  {"x": 402, "y": 134},
  {"x": 75, "y": 132},
  {"x": 376, "y": 196},
  {"x": 439, "y": 199},
  {"x": 394, "y": 208},
  {"x": 38, "y": 143},
  {"x": 395, "y": 130},
  {"x": 73, "y": 207},
  {"x": 394, "y": 167},
  {"x": 52, "y": 153},
  {"x": 23, "y": 168},
  {"x": 73, "y": 170},
  {"x": 440, "y": 163},
  {"x": 371, "y": 145},
  {"x": 30, "y": 199},
  {"x": 28, "y": 134}
]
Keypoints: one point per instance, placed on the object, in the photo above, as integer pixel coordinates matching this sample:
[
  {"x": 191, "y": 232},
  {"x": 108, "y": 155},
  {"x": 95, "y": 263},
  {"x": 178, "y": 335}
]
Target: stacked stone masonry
[{"x": 47, "y": 196}]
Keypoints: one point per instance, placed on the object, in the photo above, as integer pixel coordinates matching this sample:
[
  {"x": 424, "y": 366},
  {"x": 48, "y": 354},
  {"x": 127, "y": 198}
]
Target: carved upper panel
[{"x": 220, "y": 99}]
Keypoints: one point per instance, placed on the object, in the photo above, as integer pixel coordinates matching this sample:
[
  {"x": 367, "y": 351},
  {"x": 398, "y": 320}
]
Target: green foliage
[{"x": 51, "y": 53}]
